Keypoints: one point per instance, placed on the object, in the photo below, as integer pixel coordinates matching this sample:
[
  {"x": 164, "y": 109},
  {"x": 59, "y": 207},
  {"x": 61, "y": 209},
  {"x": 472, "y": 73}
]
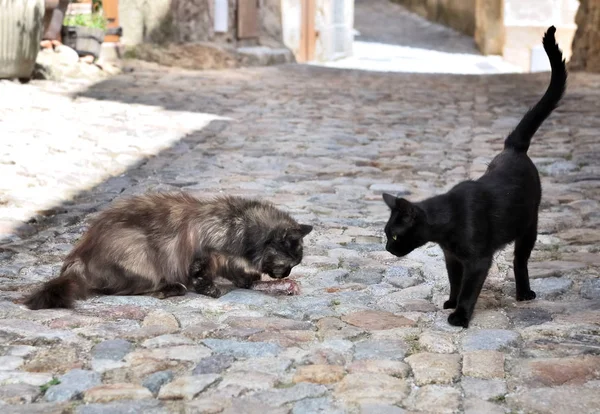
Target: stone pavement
[
  {"x": 382, "y": 21},
  {"x": 368, "y": 333}
]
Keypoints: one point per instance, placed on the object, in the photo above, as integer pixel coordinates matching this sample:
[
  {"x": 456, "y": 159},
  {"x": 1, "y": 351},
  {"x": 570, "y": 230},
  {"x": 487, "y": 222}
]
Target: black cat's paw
[
  {"x": 450, "y": 304},
  {"x": 527, "y": 296},
  {"x": 459, "y": 318}
]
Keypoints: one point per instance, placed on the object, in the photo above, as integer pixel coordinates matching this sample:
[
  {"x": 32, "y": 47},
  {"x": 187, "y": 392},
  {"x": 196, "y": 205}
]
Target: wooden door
[
  {"x": 308, "y": 34},
  {"x": 111, "y": 12},
  {"x": 247, "y": 19}
]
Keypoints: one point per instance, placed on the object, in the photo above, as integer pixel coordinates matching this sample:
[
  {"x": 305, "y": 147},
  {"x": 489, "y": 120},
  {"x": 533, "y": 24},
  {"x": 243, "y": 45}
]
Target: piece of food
[{"x": 277, "y": 287}]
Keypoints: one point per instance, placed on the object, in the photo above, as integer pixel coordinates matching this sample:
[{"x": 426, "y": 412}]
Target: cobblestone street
[{"x": 367, "y": 334}]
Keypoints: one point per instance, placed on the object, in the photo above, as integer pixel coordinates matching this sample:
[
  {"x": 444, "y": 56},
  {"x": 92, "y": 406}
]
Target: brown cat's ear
[
  {"x": 305, "y": 229},
  {"x": 299, "y": 232}
]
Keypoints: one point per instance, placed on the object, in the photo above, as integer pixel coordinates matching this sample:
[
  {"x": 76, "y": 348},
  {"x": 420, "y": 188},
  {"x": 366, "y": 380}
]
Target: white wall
[
  {"x": 291, "y": 17},
  {"x": 334, "y": 38},
  {"x": 334, "y": 22}
]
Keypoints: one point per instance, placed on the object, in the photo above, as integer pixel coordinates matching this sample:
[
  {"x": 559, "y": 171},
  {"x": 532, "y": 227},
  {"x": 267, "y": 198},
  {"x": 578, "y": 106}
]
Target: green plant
[
  {"x": 131, "y": 53},
  {"x": 96, "y": 4},
  {"x": 414, "y": 346},
  {"x": 499, "y": 399},
  {"x": 96, "y": 20},
  {"x": 53, "y": 381}
]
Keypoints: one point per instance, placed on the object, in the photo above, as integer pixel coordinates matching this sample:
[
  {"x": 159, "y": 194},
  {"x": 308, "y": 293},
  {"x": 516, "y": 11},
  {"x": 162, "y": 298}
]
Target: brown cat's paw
[
  {"x": 174, "y": 289},
  {"x": 247, "y": 280},
  {"x": 206, "y": 287},
  {"x": 212, "y": 291}
]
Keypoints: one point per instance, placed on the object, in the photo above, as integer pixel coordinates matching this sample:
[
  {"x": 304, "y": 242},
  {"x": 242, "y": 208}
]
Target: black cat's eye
[{"x": 395, "y": 237}]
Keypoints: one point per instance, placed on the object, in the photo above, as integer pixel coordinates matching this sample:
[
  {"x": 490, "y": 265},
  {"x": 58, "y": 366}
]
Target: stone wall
[
  {"x": 586, "y": 43},
  {"x": 458, "y": 14},
  {"x": 521, "y": 40},
  {"x": 525, "y": 23},
  {"x": 191, "y": 21},
  {"x": 489, "y": 26},
  {"x": 141, "y": 19},
  {"x": 292, "y": 25},
  {"x": 514, "y": 28},
  {"x": 271, "y": 28},
  {"x": 334, "y": 28}
]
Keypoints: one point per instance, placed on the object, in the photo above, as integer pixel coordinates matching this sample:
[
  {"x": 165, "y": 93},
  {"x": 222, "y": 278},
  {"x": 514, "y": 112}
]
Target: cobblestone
[
  {"x": 483, "y": 389},
  {"x": 370, "y": 387},
  {"x": 72, "y": 385},
  {"x": 18, "y": 393},
  {"x": 319, "y": 374},
  {"x": 438, "y": 399},
  {"x": 322, "y": 144},
  {"x": 114, "y": 392},
  {"x": 154, "y": 381},
  {"x": 429, "y": 368},
  {"x": 489, "y": 339},
  {"x": 483, "y": 364},
  {"x": 187, "y": 387},
  {"x": 214, "y": 364}
]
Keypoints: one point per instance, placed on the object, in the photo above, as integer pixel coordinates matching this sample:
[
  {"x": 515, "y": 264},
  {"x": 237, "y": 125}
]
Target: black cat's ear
[
  {"x": 407, "y": 209},
  {"x": 390, "y": 200},
  {"x": 402, "y": 205}
]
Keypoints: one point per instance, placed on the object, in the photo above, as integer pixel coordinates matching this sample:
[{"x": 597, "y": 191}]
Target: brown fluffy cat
[{"x": 160, "y": 244}]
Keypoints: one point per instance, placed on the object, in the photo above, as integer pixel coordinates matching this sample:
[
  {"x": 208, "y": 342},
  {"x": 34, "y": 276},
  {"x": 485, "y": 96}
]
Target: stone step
[
  {"x": 112, "y": 51},
  {"x": 264, "y": 56}
]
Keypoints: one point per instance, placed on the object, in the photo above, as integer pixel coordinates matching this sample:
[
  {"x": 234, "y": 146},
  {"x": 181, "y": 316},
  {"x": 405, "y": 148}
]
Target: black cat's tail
[
  {"x": 62, "y": 291},
  {"x": 519, "y": 139}
]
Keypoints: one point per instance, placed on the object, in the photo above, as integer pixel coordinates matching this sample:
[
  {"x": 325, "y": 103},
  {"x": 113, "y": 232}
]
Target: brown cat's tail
[{"x": 62, "y": 291}]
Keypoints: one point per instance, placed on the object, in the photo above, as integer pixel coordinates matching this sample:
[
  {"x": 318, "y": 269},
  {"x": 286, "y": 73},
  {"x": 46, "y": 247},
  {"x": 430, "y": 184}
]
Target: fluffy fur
[
  {"x": 161, "y": 244},
  {"x": 476, "y": 218}
]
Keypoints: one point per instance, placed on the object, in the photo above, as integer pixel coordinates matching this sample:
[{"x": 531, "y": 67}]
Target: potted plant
[
  {"x": 20, "y": 35},
  {"x": 85, "y": 32}
]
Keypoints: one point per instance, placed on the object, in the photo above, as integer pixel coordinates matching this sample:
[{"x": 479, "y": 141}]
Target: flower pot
[
  {"x": 53, "y": 18},
  {"x": 85, "y": 40},
  {"x": 20, "y": 35}
]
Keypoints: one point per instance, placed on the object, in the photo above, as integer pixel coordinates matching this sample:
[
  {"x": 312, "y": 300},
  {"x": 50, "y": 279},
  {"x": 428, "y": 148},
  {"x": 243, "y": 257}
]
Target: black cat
[{"x": 476, "y": 218}]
